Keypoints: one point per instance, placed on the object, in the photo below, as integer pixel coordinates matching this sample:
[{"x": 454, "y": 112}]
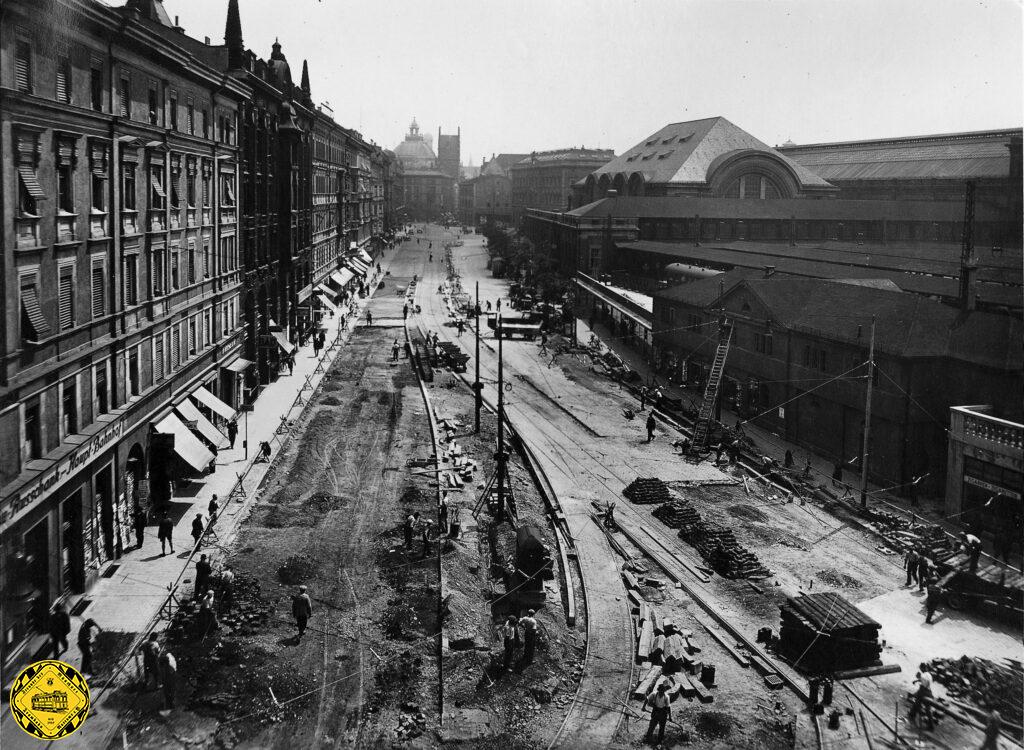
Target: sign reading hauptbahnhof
[{"x": 50, "y": 699}]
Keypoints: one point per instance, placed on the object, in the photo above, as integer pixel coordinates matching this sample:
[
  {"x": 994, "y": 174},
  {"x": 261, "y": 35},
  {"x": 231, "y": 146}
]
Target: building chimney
[
  {"x": 206, "y": 41},
  {"x": 769, "y": 271},
  {"x": 970, "y": 296}
]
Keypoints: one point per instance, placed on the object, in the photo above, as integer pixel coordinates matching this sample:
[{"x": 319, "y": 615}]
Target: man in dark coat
[
  {"x": 139, "y": 522},
  {"x": 651, "y": 424},
  {"x": 203, "y": 571},
  {"x": 169, "y": 676},
  {"x": 932, "y": 600},
  {"x": 197, "y": 527},
  {"x": 151, "y": 661},
  {"x": 410, "y": 526},
  {"x": 302, "y": 609},
  {"x": 85, "y": 644},
  {"x": 165, "y": 532},
  {"x": 60, "y": 626},
  {"x": 232, "y": 432},
  {"x": 910, "y": 563}
]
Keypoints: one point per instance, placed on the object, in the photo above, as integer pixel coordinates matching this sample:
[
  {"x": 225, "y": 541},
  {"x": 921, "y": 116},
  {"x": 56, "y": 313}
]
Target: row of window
[
  {"x": 169, "y": 270},
  {"x": 194, "y": 173},
  {"x": 782, "y": 229},
  {"x": 82, "y": 398},
  {"x": 184, "y": 117}
]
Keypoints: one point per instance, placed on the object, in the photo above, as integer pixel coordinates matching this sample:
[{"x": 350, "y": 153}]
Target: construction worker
[
  {"x": 923, "y": 680},
  {"x": 787, "y": 461},
  {"x": 993, "y": 724},
  {"x": 651, "y": 424},
  {"x": 910, "y": 563},
  {"x": 933, "y": 599},
  {"x": 529, "y": 624},
  {"x": 213, "y": 509},
  {"x": 924, "y": 567},
  {"x": 661, "y": 712},
  {"x": 443, "y": 513},
  {"x": 227, "y": 584},
  {"x": 425, "y": 537},
  {"x": 203, "y": 571},
  {"x": 302, "y": 609},
  {"x": 369, "y": 318},
  {"x": 411, "y": 521},
  {"x": 510, "y": 639},
  {"x": 151, "y": 661},
  {"x": 206, "y": 618},
  {"x": 169, "y": 677},
  {"x": 394, "y": 351},
  {"x": 972, "y": 548}
]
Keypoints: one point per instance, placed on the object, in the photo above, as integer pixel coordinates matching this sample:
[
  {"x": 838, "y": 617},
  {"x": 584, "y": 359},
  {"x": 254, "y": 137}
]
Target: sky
[{"x": 525, "y": 75}]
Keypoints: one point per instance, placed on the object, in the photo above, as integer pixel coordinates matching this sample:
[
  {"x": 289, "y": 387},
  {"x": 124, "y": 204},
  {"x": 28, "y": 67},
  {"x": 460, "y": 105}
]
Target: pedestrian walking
[
  {"x": 932, "y": 600},
  {"x": 394, "y": 351},
  {"x": 411, "y": 521},
  {"x": 169, "y": 677},
  {"x": 369, "y": 318},
  {"x": 787, "y": 461},
  {"x": 213, "y": 509},
  {"x": 197, "y": 528},
  {"x": 139, "y": 521},
  {"x": 923, "y": 680},
  {"x": 290, "y": 362},
  {"x": 993, "y": 725},
  {"x": 443, "y": 513},
  {"x": 807, "y": 467},
  {"x": 924, "y": 568},
  {"x": 165, "y": 533},
  {"x": 661, "y": 712},
  {"x": 460, "y": 326},
  {"x": 651, "y": 424},
  {"x": 85, "y": 644},
  {"x": 263, "y": 457},
  {"x": 529, "y": 624},
  {"x": 233, "y": 429},
  {"x": 203, "y": 571},
  {"x": 60, "y": 626},
  {"x": 910, "y": 563},
  {"x": 405, "y": 311},
  {"x": 302, "y": 609},
  {"x": 151, "y": 661},
  {"x": 510, "y": 640}
]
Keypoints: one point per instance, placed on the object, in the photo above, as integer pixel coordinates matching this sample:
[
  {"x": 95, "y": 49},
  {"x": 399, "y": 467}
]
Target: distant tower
[{"x": 449, "y": 153}]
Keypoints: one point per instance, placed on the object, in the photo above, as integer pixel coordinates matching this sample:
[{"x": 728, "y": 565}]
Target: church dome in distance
[{"x": 414, "y": 152}]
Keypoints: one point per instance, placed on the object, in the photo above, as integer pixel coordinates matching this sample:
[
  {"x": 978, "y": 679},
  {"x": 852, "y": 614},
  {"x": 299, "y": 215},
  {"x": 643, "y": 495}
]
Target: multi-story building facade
[
  {"x": 487, "y": 198},
  {"x": 427, "y": 191},
  {"x": 122, "y": 280},
  {"x": 544, "y": 179}
]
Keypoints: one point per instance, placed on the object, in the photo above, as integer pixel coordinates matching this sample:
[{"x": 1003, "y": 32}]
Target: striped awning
[
  {"x": 214, "y": 404},
  {"x": 342, "y": 277},
  {"x": 326, "y": 300},
  {"x": 365, "y": 257},
  {"x": 282, "y": 341},
  {"x": 189, "y": 413},
  {"x": 324, "y": 289},
  {"x": 186, "y": 445}
]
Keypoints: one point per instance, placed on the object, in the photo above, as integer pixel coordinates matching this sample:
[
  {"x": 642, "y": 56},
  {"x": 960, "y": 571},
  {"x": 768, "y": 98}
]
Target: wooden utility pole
[
  {"x": 867, "y": 419},
  {"x": 477, "y": 386},
  {"x": 501, "y": 424}
]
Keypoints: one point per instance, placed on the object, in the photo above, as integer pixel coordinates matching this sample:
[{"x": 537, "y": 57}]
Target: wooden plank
[
  {"x": 657, "y": 647},
  {"x": 851, "y": 674},
  {"x": 570, "y": 595},
  {"x": 643, "y": 646},
  {"x": 702, "y": 694},
  {"x": 630, "y": 579},
  {"x": 646, "y": 683},
  {"x": 634, "y": 598},
  {"x": 740, "y": 658}
]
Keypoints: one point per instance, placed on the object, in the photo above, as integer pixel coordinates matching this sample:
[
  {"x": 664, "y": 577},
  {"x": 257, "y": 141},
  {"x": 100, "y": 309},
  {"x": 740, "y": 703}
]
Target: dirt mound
[
  {"x": 321, "y": 502},
  {"x": 330, "y": 401},
  {"x": 713, "y": 725},
  {"x": 281, "y": 517},
  {"x": 837, "y": 579},
  {"x": 747, "y": 513},
  {"x": 296, "y": 569},
  {"x": 413, "y": 496}
]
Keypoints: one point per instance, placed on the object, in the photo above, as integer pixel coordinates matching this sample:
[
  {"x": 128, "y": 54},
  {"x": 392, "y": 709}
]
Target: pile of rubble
[
  {"x": 643, "y": 491},
  {"x": 451, "y": 356},
  {"x": 412, "y": 722},
  {"x": 245, "y": 610},
  {"x": 986, "y": 684},
  {"x": 726, "y": 556},
  {"x": 678, "y": 514}
]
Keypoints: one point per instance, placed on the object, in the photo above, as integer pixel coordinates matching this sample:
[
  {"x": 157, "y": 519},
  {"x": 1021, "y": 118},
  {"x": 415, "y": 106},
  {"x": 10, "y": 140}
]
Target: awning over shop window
[
  {"x": 189, "y": 413},
  {"x": 213, "y": 403},
  {"x": 365, "y": 257},
  {"x": 286, "y": 346},
  {"x": 304, "y": 293},
  {"x": 326, "y": 300},
  {"x": 239, "y": 365},
  {"x": 357, "y": 266},
  {"x": 324, "y": 289},
  {"x": 342, "y": 277},
  {"x": 186, "y": 445},
  {"x": 353, "y": 246}
]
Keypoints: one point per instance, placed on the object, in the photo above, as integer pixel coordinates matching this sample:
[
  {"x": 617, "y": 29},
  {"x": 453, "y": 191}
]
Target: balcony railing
[{"x": 993, "y": 431}]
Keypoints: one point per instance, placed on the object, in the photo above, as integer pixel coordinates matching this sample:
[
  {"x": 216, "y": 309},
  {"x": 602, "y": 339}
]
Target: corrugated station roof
[
  {"x": 680, "y": 207},
  {"x": 907, "y": 325},
  {"x": 829, "y": 611},
  {"x": 951, "y": 156},
  {"x": 822, "y": 268},
  {"x": 683, "y": 152}
]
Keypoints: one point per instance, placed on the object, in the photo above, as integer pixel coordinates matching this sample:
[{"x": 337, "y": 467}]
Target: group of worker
[
  {"x": 414, "y": 524},
  {"x": 516, "y": 631}
]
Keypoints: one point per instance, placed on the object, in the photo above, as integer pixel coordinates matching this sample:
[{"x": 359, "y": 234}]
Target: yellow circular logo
[{"x": 50, "y": 699}]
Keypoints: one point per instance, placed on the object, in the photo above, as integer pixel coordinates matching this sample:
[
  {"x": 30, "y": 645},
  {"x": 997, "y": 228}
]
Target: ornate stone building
[
  {"x": 428, "y": 191},
  {"x": 544, "y": 179}
]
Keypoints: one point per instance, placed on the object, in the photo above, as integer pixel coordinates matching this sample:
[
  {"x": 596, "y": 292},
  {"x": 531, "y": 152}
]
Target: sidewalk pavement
[{"x": 130, "y": 600}]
